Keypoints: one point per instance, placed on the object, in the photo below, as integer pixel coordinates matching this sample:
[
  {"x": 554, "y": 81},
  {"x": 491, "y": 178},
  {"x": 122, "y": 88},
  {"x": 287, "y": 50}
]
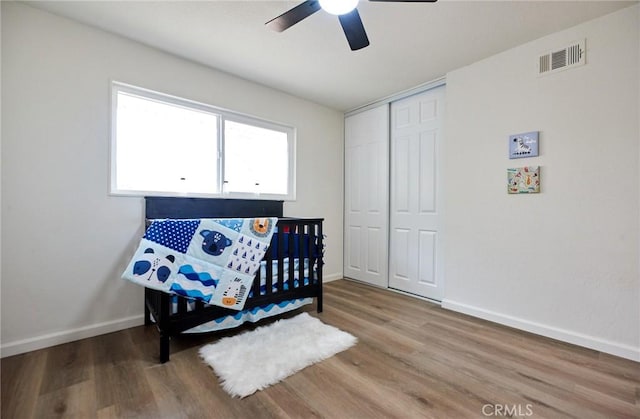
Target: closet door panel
[
  {"x": 352, "y": 256},
  {"x": 374, "y": 260},
  {"x": 367, "y": 196},
  {"x": 427, "y": 172},
  {"x": 427, "y": 254},
  {"x": 401, "y": 185},
  {"x": 415, "y": 257},
  {"x": 401, "y": 238}
]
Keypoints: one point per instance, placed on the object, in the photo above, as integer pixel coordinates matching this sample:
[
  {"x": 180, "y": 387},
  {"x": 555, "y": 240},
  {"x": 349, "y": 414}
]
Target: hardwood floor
[{"x": 413, "y": 360}]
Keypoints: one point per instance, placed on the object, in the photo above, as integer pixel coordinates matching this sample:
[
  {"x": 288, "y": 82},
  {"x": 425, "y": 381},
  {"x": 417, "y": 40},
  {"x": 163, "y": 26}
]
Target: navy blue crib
[{"x": 295, "y": 238}]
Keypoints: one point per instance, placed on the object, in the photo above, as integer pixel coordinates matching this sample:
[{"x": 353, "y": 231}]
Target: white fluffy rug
[{"x": 256, "y": 359}]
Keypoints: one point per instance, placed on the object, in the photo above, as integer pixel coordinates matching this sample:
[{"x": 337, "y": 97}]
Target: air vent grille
[
  {"x": 558, "y": 59},
  {"x": 561, "y": 59}
]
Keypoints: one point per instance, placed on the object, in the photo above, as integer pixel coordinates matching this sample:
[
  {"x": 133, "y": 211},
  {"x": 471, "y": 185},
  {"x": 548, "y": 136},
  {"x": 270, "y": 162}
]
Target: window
[{"x": 166, "y": 146}]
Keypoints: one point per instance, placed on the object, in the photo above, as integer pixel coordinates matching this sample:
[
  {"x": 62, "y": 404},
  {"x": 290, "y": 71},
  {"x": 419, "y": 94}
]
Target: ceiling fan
[{"x": 345, "y": 10}]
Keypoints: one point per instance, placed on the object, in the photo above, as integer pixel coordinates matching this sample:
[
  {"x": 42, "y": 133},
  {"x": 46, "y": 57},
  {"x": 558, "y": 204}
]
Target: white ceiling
[{"x": 411, "y": 43}]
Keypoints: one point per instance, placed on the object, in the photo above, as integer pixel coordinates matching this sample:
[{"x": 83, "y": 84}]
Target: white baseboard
[
  {"x": 331, "y": 277},
  {"x": 52, "y": 339},
  {"x": 591, "y": 342}
]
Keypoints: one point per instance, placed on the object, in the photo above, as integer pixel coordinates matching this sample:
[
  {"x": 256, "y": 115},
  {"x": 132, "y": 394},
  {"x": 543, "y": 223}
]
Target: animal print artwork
[
  {"x": 261, "y": 227},
  {"x": 234, "y": 292},
  {"x": 524, "y": 180},
  {"x": 214, "y": 242},
  {"x": 523, "y": 145},
  {"x": 153, "y": 266}
]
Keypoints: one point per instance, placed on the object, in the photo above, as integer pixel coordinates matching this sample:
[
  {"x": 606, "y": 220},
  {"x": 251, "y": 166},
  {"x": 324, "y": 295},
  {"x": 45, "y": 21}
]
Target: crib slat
[
  {"x": 269, "y": 272},
  {"x": 280, "y": 258},
  {"x": 319, "y": 262},
  {"x": 164, "y": 326},
  {"x": 303, "y": 233},
  {"x": 182, "y": 305},
  {"x": 255, "y": 287},
  {"x": 290, "y": 255}
]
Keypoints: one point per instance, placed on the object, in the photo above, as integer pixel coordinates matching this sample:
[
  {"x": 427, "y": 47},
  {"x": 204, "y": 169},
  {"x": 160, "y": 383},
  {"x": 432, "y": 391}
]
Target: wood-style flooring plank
[
  {"x": 77, "y": 400},
  {"x": 120, "y": 379},
  {"x": 412, "y": 360},
  {"x": 21, "y": 379},
  {"x": 75, "y": 359}
]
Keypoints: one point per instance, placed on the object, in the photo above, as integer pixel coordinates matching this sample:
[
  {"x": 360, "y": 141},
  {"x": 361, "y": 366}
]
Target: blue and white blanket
[{"x": 213, "y": 260}]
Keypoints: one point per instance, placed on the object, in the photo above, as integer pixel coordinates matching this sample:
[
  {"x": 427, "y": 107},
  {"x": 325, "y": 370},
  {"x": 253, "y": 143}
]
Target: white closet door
[
  {"x": 415, "y": 252},
  {"x": 367, "y": 196}
]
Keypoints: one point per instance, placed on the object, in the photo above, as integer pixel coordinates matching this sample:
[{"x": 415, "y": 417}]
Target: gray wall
[
  {"x": 66, "y": 241},
  {"x": 562, "y": 263}
]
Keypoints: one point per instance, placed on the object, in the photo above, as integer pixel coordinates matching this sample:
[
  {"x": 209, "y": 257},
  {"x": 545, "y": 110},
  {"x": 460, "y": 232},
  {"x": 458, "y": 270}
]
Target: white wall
[
  {"x": 66, "y": 242},
  {"x": 562, "y": 263}
]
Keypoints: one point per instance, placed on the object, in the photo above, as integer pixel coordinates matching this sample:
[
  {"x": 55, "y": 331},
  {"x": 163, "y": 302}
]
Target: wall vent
[{"x": 571, "y": 56}]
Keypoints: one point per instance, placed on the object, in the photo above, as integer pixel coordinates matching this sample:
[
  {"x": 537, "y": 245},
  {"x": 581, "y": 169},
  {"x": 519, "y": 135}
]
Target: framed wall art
[
  {"x": 523, "y": 145},
  {"x": 523, "y": 180}
]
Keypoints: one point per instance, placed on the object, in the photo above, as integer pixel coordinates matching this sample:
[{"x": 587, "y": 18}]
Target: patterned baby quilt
[{"x": 213, "y": 260}]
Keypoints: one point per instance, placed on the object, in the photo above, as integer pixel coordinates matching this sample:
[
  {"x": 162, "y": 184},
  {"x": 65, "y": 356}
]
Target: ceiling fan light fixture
[{"x": 338, "y": 7}]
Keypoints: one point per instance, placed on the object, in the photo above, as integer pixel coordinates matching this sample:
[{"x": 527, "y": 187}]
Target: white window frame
[{"x": 223, "y": 115}]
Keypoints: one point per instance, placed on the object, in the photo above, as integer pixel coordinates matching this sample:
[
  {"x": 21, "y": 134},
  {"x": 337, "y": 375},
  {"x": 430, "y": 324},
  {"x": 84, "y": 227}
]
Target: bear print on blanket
[
  {"x": 214, "y": 242},
  {"x": 154, "y": 267}
]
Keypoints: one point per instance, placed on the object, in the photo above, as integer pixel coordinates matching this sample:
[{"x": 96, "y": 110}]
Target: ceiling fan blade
[
  {"x": 354, "y": 30},
  {"x": 293, "y": 16}
]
